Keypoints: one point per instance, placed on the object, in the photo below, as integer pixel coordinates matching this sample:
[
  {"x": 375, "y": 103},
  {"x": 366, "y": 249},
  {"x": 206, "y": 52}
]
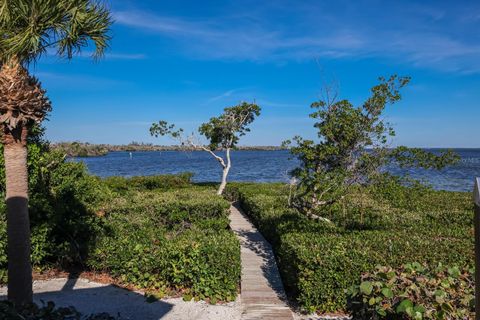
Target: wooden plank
[{"x": 262, "y": 293}]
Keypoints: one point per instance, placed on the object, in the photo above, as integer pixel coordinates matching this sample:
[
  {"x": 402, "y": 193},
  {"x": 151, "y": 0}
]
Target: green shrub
[
  {"x": 402, "y": 192},
  {"x": 319, "y": 267},
  {"x": 414, "y": 292},
  {"x": 69, "y": 207},
  {"x": 169, "y": 208},
  {"x": 174, "y": 240},
  {"x": 319, "y": 261},
  {"x": 168, "y": 181},
  {"x": 159, "y": 232},
  {"x": 63, "y": 202},
  {"x": 202, "y": 264}
]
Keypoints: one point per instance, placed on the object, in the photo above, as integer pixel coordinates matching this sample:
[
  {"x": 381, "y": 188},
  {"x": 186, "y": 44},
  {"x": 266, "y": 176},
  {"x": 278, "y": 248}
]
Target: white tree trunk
[{"x": 226, "y": 169}]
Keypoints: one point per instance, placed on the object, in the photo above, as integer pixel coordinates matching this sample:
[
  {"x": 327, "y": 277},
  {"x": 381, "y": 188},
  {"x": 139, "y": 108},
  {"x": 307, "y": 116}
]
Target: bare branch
[{"x": 219, "y": 159}]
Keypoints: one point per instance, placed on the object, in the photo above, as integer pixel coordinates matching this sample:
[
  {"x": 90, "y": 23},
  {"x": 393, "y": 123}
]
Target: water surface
[{"x": 261, "y": 166}]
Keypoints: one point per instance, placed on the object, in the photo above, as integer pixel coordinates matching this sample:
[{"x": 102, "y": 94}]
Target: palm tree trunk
[{"x": 18, "y": 224}]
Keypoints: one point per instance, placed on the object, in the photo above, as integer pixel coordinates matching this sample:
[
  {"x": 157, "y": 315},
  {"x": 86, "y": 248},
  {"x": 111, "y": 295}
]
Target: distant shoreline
[{"x": 83, "y": 149}]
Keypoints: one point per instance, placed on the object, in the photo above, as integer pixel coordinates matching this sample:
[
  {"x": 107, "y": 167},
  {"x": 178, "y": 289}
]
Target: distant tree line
[{"x": 85, "y": 149}]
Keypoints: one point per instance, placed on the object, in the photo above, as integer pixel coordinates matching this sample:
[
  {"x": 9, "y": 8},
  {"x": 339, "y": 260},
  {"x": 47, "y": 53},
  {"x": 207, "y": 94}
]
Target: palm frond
[{"x": 29, "y": 27}]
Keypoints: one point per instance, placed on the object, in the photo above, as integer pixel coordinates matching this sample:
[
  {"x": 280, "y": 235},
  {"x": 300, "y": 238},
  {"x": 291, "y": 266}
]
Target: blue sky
[{"x": 184, "y": 61}]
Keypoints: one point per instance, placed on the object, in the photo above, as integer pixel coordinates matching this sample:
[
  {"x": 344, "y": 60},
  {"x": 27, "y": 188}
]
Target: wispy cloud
[
  {"x": 439, "y": 51},
  {"x": 108, "y": 55},
  {"x": 222, "y": 96},
  {"x": 253, "y": 41},
  {"x": 115, "y": 55},
  {"x": 74, "y": 81},
  {"x": 125, "y": 56},
  {"x": 237, "y": 95},
  {"x": 418, "y": 34},
  {"x": 162, "y": 24},
  {"x": 273, "y": 104}
]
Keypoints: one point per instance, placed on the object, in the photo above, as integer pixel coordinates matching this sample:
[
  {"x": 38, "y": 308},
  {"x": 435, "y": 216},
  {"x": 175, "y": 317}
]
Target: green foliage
[
  {"x": 351, "y": 148},
  {"x": 165, "y": 182},
  {"x": 78, "y": 149},
  {"x": 67, "y": 203},
  {"x": 159, "y": 232},
  {"x": 63, "y": 203},
  {"x": 318, "y": 261},
  {"x": 47, "y": 311},
  {"x": 171, "y": 240},
  {"x": 415, "y": 292},
  {"x": 162, "y": 128},
  {"x": 401, "y": 192},
  {"x": 341, "y": 158},
  {"x": 225, "y": 131},
  {"x": 222, "y": 132},
  {"x": 29, "y": 27},
  {"x": 419, "y": 158}
]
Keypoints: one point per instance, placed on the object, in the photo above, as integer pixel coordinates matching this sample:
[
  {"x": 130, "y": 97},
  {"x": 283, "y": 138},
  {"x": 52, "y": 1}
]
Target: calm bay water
[{"x": 260, "y": 166}]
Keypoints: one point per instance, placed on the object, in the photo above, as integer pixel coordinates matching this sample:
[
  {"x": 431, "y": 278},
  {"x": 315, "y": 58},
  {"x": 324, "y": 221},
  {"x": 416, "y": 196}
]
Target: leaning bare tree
[
  {"x": 223, "y": 133},
  {"x": 27, "y": 29}
]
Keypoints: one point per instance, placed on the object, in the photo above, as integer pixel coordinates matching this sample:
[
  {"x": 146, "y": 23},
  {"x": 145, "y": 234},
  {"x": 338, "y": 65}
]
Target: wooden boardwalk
[{"x": 262, "y": 293}]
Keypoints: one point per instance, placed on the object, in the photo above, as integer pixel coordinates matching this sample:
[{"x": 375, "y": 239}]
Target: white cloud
[
  {"x": 108, "y": 55},
  {"x": 226, "y": 94},
  {"x": 160, "y": 24},
  {"x": 125, "y": 56},
  {"x": 73, "y": 81},
  {"x": 273, "y": 104},
  {"x": 412, "y": 36}
]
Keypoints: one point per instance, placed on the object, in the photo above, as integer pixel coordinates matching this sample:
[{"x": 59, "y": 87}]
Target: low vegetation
[
  {"x": 414, "y": 291},
  {"x": 63, "y": 201},
  {"x": 170, "y": 241},
  {"x": 384, "y": 224},
  {"x": 170, "y": 237},
  {"x": 143, "y": 183},
  {"x": 161, "y": 233}
]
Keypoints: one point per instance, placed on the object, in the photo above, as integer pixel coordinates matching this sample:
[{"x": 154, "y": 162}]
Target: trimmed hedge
[
  {"x": 166, "y": 182},
  {"x": 319, "y": 261},
  {"x": 173, "y": 240}
]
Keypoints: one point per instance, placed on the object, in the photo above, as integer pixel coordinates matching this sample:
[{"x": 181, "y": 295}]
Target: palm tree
[{"x": 28, "y": 29}]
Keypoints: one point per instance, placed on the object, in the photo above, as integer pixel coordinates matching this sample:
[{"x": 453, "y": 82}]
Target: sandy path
[{"x": 91, "y": 297}]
